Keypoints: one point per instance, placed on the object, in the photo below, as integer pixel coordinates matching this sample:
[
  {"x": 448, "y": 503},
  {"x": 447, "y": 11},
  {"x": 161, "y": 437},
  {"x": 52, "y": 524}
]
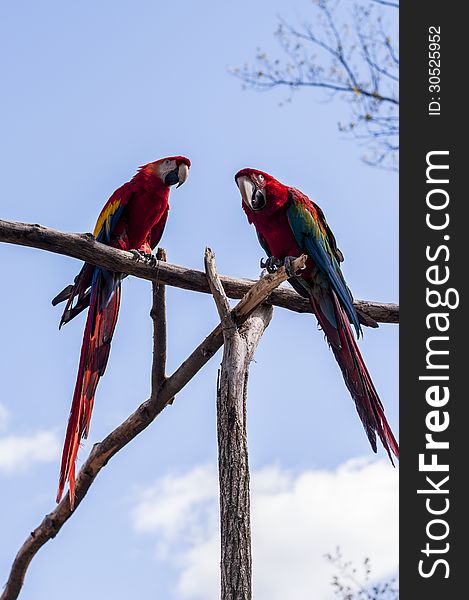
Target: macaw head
[
  {"x": 260, "y": 191},
  {"x": 170, "y": 171}
]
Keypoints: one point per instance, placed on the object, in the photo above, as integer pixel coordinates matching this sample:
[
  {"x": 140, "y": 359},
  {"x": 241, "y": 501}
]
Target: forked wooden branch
[
  {"x": 233, "y": 464},
  {"x": 134, "y": 424},
  {"x": 85, "y": 247}
]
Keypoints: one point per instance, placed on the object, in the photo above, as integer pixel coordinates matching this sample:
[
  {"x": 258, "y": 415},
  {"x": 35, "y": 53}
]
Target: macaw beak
[
  {"x": 251, "y": 196},
  {"x": 183, "y": 172}
]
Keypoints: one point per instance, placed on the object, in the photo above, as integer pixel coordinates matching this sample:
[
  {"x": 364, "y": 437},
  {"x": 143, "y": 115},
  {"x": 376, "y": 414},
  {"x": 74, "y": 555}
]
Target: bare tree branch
[
  {"x": 354, "y": 581},
  {"x": 85, "y": 247},
  {"x": 347, "y": 53},
  {"x": 386, "y": 3},
  {"x": 158, "y": 314},
  {"x": 133, "y": 425},
  {"x": 218, "y": 293}
]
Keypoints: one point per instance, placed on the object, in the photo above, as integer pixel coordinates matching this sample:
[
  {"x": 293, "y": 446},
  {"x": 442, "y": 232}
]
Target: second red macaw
[
  {"x": 289, "y": 224},
  {"x": 132, "y": 219}
]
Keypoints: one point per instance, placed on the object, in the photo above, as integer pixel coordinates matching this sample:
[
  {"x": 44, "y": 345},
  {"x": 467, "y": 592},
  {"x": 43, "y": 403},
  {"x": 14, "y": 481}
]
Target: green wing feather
[{"x": 313, "y": 235}]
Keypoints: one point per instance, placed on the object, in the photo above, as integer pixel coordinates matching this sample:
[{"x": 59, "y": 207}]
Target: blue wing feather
[
  {"x": 104, "y": 236},
  {"x": 314, "y": 239}
]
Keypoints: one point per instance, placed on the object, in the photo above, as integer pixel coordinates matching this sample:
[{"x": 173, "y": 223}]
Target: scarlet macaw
[
  {"x": 132, "y": 219},
  {"x": 289, "y": 224}
]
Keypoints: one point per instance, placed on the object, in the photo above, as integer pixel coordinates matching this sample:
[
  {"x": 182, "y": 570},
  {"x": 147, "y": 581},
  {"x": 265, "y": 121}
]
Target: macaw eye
[
  {"x": 261, "y": 177},
  {"x": 166, "y": 162}
]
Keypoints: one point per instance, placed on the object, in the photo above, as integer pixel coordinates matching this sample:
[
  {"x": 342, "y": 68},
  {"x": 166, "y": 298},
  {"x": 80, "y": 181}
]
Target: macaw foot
[
  {"x": 288, "y": 264},
  {"x": 139, "y": 256},
  {"x": 146, "y": 257},
  {"x": 272, "y": 264}
]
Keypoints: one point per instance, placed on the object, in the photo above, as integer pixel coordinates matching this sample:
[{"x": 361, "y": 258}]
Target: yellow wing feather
[{"x": 104, "y": 219}]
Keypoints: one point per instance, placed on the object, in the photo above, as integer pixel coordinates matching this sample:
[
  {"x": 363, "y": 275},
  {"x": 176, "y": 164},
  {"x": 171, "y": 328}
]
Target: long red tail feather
[
  {"x": 357, "y": 377},
  {"x": 99, "y": 329}
]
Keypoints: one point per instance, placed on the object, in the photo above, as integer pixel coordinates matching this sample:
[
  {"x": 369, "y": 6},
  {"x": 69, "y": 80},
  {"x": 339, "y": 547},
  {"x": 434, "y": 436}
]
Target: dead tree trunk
[{"x": 233, "y": 466}]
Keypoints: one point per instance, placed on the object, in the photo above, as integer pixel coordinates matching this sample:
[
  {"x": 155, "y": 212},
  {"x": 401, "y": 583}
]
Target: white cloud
[
  {"x": 178, "y": 508},
  {"x": 19, "y": 452},
  {"x": 296, "y": 519}
]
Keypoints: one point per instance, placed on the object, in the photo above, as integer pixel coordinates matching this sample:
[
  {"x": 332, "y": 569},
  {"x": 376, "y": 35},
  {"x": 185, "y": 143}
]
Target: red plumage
[
  {"x": 288, "y": 223},
  {"x": 132, "y": 219},
  {"x": 357, "y": 378}
]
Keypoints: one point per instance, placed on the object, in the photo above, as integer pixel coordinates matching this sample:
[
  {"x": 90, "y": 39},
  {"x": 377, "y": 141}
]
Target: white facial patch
[{"x": 166, "y": 167}]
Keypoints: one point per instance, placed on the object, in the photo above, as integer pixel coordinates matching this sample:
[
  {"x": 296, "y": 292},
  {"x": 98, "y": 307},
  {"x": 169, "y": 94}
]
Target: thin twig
[{"x": 85, "y": 247}]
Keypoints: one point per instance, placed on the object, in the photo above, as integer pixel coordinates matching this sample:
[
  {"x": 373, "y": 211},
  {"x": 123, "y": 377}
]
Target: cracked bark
[{"x": 233, "y": 463}]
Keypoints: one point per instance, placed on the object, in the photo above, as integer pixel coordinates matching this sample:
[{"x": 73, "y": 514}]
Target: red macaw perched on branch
[
  {"x": 288, "y": 224},
  {"x": 132, "y": 219}
]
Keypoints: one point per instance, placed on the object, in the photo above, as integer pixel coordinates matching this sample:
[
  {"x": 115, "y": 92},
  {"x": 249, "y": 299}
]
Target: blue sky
[{"x": 92, "y": 90}]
